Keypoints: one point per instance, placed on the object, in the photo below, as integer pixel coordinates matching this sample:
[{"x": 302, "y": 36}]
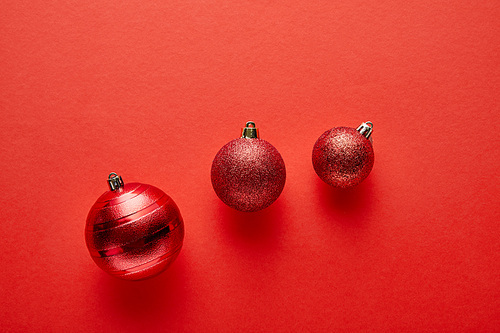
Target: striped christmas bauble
[{"x": 134, "y": 231}]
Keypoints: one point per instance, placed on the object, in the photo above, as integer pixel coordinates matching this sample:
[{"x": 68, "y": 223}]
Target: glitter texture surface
[
  {"x": 342, "y": 157},
  {"x": 135, "y": 232},
  {"x": 248, "y": 174}
]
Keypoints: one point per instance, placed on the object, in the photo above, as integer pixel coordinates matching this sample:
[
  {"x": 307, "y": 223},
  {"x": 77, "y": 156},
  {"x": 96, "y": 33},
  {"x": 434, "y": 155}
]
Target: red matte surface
[{"x": 153, "y": 89}]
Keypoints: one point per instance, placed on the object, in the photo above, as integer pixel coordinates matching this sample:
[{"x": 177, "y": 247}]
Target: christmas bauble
[
  {"x": 343, "y": 156},
  {"x": 248, "y": 173},
  {"x": 134, "y": 231}
]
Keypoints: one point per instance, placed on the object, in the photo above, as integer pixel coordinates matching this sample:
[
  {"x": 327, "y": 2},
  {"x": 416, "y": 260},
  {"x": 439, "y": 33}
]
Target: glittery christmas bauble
[
  {"x": 248, "y": 173},
  {"x": 343, "y": 156},
  {"x": 134, "y": 231}
]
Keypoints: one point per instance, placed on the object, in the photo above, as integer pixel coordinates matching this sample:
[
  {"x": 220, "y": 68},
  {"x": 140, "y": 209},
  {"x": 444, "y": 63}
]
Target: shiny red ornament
[
  {"x": 248, "y": 173},
  {"x": 134, "y": 231},
  {"x": 343, "y": 156}
]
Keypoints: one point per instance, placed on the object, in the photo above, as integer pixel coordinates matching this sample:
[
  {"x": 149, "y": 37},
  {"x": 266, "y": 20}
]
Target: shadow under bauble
[
  {"x": 150, "y": 299},
  {"x": 351, "y": 206},
  {"x": 261, "y": 230}
]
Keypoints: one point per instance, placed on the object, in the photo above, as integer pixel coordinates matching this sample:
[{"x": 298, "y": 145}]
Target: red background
[{"x": 153, "y": 89}]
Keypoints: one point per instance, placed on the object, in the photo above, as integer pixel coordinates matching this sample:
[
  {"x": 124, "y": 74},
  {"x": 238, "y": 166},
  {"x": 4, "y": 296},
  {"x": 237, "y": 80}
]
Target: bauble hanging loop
[
  {"x": 248, "y": 173},
  {"x": 366, "y": 130},
  {"x": 114, "y": 181},
  {"x": 343, "y": 156},
  {"x": 133, "y": 231},
  {"x": 250, "y": 131}
]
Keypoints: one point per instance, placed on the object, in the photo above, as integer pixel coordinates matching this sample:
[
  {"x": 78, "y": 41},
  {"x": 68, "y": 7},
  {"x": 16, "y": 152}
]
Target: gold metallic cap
[
  {"x": 250, "y": 132},
  {"x": 114, "y": 181}
]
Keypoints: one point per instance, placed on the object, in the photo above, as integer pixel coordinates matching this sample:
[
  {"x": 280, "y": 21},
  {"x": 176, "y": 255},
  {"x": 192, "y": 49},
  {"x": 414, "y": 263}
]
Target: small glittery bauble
[
  {"x": 134, "y": 232},
  {"x": 342, "y": 157},
  {"x": 248, "y": 174}
]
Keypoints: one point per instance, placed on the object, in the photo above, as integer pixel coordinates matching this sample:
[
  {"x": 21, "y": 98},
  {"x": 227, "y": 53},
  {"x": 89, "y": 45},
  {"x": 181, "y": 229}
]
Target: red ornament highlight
[
  {"x": 343, "y": 156},
  {"x": 248, "y": 173},
  {"x": 134, "y": 231}
]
